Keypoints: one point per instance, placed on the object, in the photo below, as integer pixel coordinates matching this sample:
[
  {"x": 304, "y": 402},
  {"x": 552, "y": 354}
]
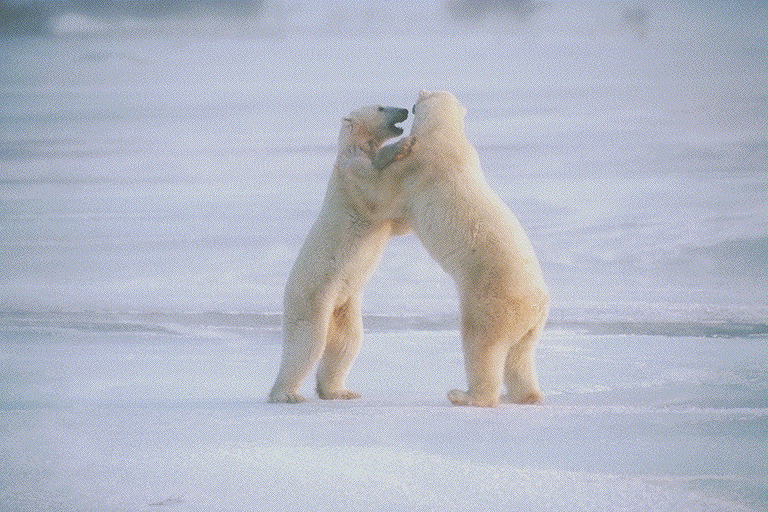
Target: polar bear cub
[
  {"x": 322, "y": 320},
  {"x": 467, "y": 228}
]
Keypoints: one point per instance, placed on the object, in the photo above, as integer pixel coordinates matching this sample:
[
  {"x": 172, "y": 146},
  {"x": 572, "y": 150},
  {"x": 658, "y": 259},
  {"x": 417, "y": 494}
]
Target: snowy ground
[{"x": 127, "y": 413}]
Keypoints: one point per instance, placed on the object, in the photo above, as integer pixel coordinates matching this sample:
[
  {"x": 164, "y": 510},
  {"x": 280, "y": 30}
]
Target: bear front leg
[
  {"x": 393, "y": 152},
  {"x": 345, "y": 333}
]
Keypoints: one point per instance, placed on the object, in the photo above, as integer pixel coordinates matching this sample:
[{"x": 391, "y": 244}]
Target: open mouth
[
  {"x": 395, "y": 129},
  {"x": 399, "y": 116}
]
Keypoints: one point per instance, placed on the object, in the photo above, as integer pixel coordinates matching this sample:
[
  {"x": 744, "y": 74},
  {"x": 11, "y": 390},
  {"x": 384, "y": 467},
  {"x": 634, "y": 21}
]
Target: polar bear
[
  {"x": 322, "y": 319},
  {"x": 476, "y": 239}
]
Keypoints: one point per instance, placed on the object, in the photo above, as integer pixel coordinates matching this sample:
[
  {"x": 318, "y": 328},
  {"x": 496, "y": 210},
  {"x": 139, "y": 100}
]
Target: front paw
[{"x": 404, "y": 147}]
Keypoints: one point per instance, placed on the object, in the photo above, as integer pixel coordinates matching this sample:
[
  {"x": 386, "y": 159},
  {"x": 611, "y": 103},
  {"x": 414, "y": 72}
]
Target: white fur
[
  {"x": 476, "y": 239},
  {"x": 432, "y": 182},
  {"x": 322, "y": 320}
]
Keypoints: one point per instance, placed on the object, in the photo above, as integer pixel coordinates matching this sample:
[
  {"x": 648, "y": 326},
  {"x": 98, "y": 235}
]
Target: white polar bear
[
  {"x": 322, "y": 319},
  {"x": 467, "y": 228}
]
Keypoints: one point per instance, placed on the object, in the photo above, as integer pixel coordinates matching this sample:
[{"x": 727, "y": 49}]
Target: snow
[
  {"x": 128, "y": 413},
  {"x": 158, "y": 175}
]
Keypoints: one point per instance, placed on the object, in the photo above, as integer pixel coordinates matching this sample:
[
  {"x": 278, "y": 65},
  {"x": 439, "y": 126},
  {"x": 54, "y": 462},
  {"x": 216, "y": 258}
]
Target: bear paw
[
  {"x": 534, "y": 397},
  {"x": 404, "y": 145},
  {"x": 342, "y": 394},
  {"x": 458, "y": 397},
  {"x": 284, "y": 397}
]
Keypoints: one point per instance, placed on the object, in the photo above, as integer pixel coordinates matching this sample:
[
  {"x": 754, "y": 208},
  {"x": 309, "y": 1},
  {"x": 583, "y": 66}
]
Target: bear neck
[
  {"x": 433, "y": 126},
  {"x": 352, "y": 147}
]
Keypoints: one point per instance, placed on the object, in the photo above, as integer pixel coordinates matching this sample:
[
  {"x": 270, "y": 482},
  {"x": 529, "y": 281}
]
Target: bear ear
[{"x": 424, "y": 94}]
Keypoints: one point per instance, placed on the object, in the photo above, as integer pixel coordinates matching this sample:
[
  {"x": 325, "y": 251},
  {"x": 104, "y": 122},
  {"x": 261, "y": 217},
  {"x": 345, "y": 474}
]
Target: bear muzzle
[{"x": 395, "y": 115}]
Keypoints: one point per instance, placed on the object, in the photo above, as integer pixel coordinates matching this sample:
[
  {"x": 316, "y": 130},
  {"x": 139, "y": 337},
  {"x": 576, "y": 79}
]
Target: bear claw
[
  {"x": 282, "y": 397},
  {"x": 458, "y": 397}
]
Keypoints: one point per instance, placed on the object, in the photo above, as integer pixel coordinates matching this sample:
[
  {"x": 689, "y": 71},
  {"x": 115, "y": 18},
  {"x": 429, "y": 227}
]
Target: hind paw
[
  {"x": 342, "y": 394},
  {"x": 458, "y": 397},
  {"x": 534, "y": 397},
  {"x": 284, "y": 397}
]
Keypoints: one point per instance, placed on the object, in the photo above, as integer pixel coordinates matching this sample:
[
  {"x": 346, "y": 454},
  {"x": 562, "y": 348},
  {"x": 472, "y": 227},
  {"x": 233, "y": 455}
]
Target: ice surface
[
  {"x": 159, "y": 173},
  {"x": 127, "y": 412}
]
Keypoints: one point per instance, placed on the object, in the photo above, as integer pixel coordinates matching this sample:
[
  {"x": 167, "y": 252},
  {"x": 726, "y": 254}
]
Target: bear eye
[{"x": 381, "y": 109}]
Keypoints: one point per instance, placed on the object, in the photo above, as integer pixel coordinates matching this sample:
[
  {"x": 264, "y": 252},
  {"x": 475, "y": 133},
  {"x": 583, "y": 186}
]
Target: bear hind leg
[
  {"x": 520, "y": 370},
  {"x": 484, "y": 361},
  {"x": 303, "y": 345},
  {"x": 341, "y": 349}
]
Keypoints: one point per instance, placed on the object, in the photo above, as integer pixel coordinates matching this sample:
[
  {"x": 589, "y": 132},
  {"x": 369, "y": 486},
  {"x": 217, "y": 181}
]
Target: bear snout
[{"x": 396, "y": 115}]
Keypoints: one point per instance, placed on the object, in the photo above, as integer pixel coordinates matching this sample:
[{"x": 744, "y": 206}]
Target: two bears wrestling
[{"x": 430, "y": 183}]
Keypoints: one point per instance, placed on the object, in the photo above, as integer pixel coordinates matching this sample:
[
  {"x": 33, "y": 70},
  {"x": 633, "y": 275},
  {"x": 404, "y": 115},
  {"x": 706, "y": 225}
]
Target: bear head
[
  {"x": 437, "y": 109},
  {"x": 372, "y": 125}
]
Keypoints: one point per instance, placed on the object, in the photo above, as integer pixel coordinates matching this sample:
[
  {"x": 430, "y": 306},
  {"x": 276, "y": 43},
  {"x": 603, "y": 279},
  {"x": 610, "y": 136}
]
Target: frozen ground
[
  {"x": 124, "y": 413},
  {"x": 158, "y": 174}
]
